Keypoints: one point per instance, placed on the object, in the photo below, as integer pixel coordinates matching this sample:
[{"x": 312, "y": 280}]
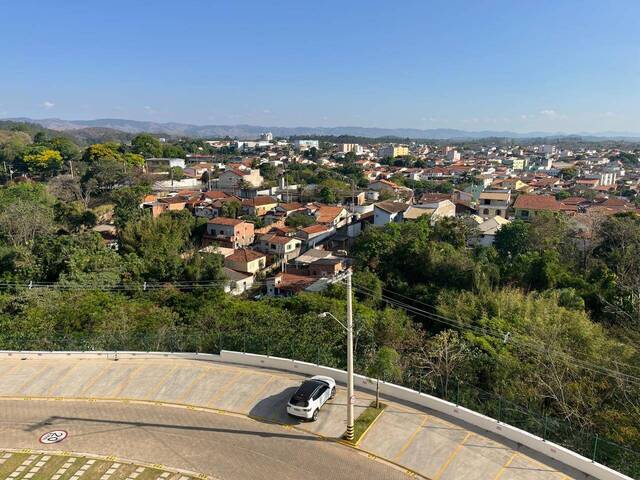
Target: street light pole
[
  {"x": 350, "y": 396},
  {"x": 349, "y": 328}
]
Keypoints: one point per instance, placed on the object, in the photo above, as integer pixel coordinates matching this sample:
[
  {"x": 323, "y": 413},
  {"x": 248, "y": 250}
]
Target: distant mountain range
[{"x": 252, "y": 131}]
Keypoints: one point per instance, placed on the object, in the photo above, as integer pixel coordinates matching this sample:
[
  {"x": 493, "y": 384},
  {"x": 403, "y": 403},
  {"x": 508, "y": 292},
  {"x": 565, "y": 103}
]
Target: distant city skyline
[{"x": 555, "y": 66}]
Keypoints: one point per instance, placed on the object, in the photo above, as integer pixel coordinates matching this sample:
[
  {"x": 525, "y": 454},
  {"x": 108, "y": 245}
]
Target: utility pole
[
  {"x": 71, "y": 167},
  {"x": 350, "y": 396}
]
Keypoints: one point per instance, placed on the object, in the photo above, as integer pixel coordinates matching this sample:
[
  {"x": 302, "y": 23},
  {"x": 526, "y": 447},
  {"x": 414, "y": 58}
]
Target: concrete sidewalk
[{"x": 423, "y": 441}]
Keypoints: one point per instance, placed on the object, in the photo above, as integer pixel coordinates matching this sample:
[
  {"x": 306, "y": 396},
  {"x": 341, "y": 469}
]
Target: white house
[{"x": 388, "y": 211}]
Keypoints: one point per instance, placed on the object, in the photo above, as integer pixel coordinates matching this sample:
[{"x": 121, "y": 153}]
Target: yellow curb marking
[
  {"x": 31, "y": 378},
  {"x": 255, "y": 396},
  {"x": 224, "y": 387},
  {"x": 60, "y": 379},
  {"x": 364, "y": 434},
  {"x": 153, "y": 391},
  {"x": 448, "y": 461},
  {"x": 6, "y": 372},
  {"x": 93, "y": 381},
  {"x": 191, "y": 386},
  {"x": 505, "y": 466},
  {"x": 127, "y": 380},
  {"x": 411, "y": 438}
]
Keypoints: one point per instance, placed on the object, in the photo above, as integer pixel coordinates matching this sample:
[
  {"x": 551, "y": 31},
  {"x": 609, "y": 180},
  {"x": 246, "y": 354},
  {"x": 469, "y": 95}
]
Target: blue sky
[{"x": 523, "y": 65}]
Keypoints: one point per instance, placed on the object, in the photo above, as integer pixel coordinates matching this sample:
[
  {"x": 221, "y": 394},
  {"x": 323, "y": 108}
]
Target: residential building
[
  {"x": 306, "y": 144},
  {"x": 437, "y": 210},
  {"x": 388, "y": 211},
  {"x": 166, "y": 163},
  {"x": 284, "y": 248},
  {"x": 259, "y": 205},
  {"x": 335, "y": 216},
  {"x": 314, "y": 234},
  {"x": 233, "y": 178},
  {"x": 393, "y": 151},
  {"x": 453, "y": 156},
  {"x": 527, "y": 206},
  {"x": 350, "y": 147},
  {"x": 488, "y": 229},
  {"x": 266, "y": 136},
  {"x": 237, "y": 282},
  {"x": 231, "y": 232},
  {"x": 494, "y": 202},
  {"x": 246, "y": 260}
]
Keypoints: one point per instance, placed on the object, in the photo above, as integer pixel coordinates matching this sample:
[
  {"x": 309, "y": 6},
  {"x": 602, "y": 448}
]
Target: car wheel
[
  {"x": 333, "y": 392},
  {"x": 315, "y": 415}
]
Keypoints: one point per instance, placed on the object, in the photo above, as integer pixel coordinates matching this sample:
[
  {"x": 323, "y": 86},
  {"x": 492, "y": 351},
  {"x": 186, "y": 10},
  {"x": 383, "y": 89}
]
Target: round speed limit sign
[{"x": 53, "y": 437}]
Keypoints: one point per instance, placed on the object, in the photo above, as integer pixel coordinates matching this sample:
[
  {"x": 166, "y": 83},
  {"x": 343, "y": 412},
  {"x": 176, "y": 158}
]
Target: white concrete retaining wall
[
  {"x": 107, "y": 355},
  {"x": 557, "y": 452}
]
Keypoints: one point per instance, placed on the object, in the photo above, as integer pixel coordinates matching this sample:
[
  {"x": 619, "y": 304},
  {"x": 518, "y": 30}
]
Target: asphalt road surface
[{"x": 226, "y": 447}]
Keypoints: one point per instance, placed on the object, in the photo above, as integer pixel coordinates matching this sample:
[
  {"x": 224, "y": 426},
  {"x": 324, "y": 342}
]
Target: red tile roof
[
  {"x": 259, "y": 201},
  {"x": 327, "y": 214},
  {"x": 538, "y": 202},
  {"x": 315, "y": 229},
  {"x": 225, "y": 221},
  {"x": 245, "y": 255}
]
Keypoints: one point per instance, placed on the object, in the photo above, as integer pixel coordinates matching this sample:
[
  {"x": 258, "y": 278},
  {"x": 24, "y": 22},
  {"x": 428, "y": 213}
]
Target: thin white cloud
[
  {"x": 48, "y": 104},
  {"x": 150, "y": 109},
  {"x": 549, "y": 113}
]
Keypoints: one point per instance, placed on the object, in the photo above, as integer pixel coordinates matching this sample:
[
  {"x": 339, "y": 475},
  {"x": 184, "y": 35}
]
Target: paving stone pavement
[{"x": 423, "y": 441}]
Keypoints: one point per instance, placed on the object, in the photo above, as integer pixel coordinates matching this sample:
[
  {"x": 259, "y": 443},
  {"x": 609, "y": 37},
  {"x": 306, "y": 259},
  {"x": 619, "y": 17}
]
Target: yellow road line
[
  {"x": 6, "y": 372},
  {"x": 253, "y": 398},
  {"x": 364, "y": 434},
  {"x": 31, "y": 378},
  {"x": 127, "y": 380},
  {"x": 215, "y": 411},
  {"x": 152, "y": 392},
  {"x": 57, "y": 383},
  {"x": 224, "y": 387},
  {"x": 546, "y": 467},
  {"x": 411, "y": 438},
  {"x": 448, "y": 461},
  {"x": 192, "y": 385},
  {"x": 505, "y": 466},
  {"x": 100, "y": 374}
]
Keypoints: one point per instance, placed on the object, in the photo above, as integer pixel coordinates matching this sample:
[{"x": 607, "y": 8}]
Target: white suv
[{"x": 310, "y": 396}]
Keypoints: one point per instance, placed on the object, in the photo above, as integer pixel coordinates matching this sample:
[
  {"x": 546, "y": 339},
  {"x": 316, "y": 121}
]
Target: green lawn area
[
  {"x": 366, "y": 418},
  {"x": 95, "y": 470}
]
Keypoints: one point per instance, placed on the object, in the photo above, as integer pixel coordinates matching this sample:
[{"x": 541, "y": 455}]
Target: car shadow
[{"x": 274, "y": 408}]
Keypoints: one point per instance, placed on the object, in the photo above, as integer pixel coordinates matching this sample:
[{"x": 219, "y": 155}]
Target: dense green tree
[
  {"x": 512, "y": 239},
  {"x": 74, "y": 215},
  {"x": 146, "y": 145},
  {"x": 298, "y": 219},
  {"x": 127, "y": 203},
  {"x": 159, "y": 244},
  {"x": 268, "y": 171},
  {"x": 231, "y": 209},
  {"x": 385, "y": 365},
  {"x": 170, "y": 150}
]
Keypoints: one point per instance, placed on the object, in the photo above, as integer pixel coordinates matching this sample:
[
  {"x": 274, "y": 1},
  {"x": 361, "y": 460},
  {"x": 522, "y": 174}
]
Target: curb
[{"x": 185, "y": 406}]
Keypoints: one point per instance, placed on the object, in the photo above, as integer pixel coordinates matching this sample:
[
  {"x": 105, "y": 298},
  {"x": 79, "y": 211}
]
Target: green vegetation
[
  {"x": 366, "y": 419},
  {"x": 539, "y": 330}
]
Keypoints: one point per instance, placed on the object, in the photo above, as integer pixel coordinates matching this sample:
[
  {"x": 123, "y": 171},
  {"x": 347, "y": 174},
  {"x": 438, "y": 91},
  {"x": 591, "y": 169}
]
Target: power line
[{"x": 540, "y": 348}]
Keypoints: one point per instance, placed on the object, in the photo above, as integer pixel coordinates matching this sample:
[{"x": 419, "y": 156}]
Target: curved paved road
[
  {"x": 424, "y": 441},
  {"x": 221, "y": 446}
]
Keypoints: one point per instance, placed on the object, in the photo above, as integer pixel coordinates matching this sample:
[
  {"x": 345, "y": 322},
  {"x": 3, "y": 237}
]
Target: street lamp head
[{"x": 323, "y": 314}]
